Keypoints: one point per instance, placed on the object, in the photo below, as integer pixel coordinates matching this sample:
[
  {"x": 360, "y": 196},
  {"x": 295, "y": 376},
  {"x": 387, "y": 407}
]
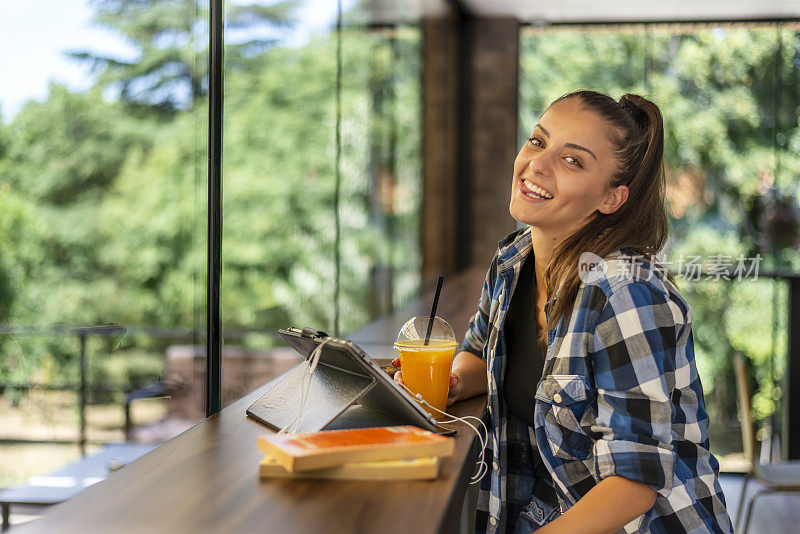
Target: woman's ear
[{"x": 613, "y": 200}]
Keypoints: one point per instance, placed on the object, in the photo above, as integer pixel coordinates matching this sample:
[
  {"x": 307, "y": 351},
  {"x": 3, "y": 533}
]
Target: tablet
[{"x": 347, "y": 390}]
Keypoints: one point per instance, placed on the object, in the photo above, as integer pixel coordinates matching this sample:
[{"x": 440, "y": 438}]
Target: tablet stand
[
  {"x": 331, "y": 392},
  {"x": 347, "y": 390}
]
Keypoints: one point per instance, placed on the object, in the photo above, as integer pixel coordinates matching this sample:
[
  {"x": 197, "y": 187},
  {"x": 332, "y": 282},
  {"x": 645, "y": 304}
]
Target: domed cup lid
[{"x": 415, "y": 330}]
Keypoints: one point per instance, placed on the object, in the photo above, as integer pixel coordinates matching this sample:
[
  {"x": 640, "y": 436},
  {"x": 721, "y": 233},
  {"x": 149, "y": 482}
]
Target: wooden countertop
[{"x": 206, "y": 479}]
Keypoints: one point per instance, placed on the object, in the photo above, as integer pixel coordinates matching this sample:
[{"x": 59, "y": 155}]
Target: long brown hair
[{"x": 637, "y": 135}]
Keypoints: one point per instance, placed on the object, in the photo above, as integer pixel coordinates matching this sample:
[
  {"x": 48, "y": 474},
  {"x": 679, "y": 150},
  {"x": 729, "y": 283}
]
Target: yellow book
[
  {"x": 411, "y": 469},
  {"x": 329, "y": 448}
]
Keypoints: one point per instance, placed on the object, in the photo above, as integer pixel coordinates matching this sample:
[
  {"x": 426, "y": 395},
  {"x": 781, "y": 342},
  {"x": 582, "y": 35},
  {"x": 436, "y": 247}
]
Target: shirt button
[
  {"x": 493, "y": 521},
  {"x": 557, "y": 397},
  {"x": 495, "y": 466}
]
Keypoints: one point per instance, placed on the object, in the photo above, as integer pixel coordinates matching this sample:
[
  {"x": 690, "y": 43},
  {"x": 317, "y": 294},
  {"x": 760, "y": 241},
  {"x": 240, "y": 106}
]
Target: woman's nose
[{"x": 540, "y": 164}]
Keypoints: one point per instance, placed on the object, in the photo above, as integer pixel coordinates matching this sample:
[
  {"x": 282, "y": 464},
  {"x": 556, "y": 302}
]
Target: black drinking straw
[{"x": 433, "y": 308}]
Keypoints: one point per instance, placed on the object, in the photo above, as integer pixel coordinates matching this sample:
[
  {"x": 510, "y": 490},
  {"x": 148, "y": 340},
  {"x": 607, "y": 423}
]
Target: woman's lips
[{"x": 529, "y": 195}]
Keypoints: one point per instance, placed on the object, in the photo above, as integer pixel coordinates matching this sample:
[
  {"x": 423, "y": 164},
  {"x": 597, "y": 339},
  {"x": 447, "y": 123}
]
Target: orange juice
[{"x": 426, "y": 370}]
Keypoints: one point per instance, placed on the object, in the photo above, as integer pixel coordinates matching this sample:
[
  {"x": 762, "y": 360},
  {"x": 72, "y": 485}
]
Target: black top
[{"x": 524, "y": 359}]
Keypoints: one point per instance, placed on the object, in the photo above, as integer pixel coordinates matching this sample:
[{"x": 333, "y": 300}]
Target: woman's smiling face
[{"x": 569, "y": 160}]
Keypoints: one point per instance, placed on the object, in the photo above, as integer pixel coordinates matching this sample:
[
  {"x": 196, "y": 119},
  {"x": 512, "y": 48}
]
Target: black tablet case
[{"x": 347, "y": 390}]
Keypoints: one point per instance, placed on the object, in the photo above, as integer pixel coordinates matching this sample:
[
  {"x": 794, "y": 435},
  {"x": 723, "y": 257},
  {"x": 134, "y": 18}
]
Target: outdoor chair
[{"x": 776, "y": 477}]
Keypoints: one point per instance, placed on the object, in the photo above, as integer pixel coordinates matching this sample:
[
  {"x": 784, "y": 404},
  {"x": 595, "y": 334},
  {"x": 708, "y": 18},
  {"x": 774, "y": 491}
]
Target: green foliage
[
  {"x": 15, "y": 217},
  {"x": 136, "y": 368},
  {"x": 104, "y": 205},
  {"x": 280, "y": 181},
  {"x": 170, "y": 71},
  {"x": 68, "y": 149}
]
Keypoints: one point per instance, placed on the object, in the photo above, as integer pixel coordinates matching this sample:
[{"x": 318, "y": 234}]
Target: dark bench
[{"x": 66, "y": 483}]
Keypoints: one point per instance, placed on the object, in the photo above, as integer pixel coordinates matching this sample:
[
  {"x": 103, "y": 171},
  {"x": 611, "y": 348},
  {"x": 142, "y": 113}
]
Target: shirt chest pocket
[{"x": 562, "y": 401}]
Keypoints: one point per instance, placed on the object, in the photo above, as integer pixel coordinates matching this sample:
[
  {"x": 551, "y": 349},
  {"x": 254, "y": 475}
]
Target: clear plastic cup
[{"x": 425, "y": 366}]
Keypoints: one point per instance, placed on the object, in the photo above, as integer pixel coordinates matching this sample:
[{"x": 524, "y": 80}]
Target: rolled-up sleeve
[
  {"x": 633, "y": 353},
  {"x": 476, "y": 335}
]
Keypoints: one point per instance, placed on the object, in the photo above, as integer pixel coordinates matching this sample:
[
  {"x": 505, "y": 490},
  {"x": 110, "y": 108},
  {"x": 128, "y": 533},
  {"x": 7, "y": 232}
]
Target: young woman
[{"x": 584, "y": 345}]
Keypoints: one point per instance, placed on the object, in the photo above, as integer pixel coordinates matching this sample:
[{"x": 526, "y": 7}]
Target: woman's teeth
[{"x": 539, "y": 192}]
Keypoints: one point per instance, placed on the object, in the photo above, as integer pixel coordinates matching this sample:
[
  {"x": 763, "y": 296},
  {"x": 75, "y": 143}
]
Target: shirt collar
[{"x": 514, "y": 248}]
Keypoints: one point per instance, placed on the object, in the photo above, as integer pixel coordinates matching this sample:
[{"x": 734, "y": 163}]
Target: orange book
[
  {"x": 411, "y": 469},
  {"x": 328, "y": 448}
]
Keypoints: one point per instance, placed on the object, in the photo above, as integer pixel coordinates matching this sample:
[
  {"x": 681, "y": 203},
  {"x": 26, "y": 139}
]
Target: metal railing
[{"x": 83, "y": 387}]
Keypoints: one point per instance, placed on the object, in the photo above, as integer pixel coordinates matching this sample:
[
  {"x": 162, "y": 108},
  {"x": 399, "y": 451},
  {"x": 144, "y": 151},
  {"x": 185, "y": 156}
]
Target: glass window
[
  {"x": 102, "y": 234},
  {"x": 322, "y": 174}
]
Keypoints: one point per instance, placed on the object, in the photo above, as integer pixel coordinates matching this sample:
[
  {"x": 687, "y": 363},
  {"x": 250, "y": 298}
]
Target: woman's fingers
[
  {"x": 454, "y": 389},
  {"x": 398, "y": 377}
]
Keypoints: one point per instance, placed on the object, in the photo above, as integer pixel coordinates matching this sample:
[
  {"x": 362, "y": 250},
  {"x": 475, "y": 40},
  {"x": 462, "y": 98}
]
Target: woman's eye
[
  {"x": 535, "y": 141},
  {"x": 538, "y": 143}
]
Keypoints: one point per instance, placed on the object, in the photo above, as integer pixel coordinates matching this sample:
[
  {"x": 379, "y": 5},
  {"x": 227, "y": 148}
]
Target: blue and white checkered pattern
[{"x": 619, "y": 395}]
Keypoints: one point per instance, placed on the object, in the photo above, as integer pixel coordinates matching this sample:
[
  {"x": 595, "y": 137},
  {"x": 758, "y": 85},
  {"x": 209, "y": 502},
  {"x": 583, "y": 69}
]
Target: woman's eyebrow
[
  {"x": 579, "y": 147},
  {"x": 569, "y": 145}
]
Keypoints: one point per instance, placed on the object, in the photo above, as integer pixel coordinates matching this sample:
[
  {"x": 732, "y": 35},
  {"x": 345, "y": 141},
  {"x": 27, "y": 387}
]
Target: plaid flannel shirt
[{"x": 619, "y": 395}]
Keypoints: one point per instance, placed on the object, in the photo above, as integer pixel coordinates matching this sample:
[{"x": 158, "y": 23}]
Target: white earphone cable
[
  {"x": 482, "y": 466},
  {"x": 311, "y": 366}
]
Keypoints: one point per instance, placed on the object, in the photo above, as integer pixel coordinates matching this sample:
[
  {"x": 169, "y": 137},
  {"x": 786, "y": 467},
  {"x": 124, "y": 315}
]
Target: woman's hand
[
  {"x": 454, "y": 386},
  {"x": 454, "y": 393},
  {"x": 398, "y": 376}
]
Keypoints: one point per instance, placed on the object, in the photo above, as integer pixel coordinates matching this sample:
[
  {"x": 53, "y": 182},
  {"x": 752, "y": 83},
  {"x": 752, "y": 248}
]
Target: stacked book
[{"x": 379, "y": 453}]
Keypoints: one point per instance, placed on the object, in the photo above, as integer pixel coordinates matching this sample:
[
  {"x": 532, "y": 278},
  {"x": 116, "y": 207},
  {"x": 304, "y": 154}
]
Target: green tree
[
  {"x": 170, "y": 38},
  {"x": 278, "y": 260},
  {"x": 62, "y": 157}
]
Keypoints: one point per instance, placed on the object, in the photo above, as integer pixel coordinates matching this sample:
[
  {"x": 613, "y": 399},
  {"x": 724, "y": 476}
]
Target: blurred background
[{"x": 367, "y": 145}]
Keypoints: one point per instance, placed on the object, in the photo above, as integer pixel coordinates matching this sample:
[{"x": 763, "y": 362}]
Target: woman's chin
[
  {"x": 523, "y": 216},
  {"x": 529, "y": 219}
]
